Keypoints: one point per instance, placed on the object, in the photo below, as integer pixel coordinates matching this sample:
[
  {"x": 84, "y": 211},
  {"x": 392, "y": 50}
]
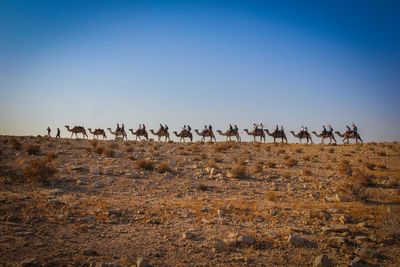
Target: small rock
[
  {"x": 344, "y": 218},
  {"x": 272, "y": 235},
  {"x": 326, "y": 229},
  {"x": 297, "y": 241},
  {"x": 358, "y": 262},
  {"x": 367, "y": 253},
  {"x": 233, "y": 235},
  {"x": 110, "y": 180},
  {"x": 28, "y": 262},
  {"x": 141, "y": 262},
  {"x": 273, "y": 212},
  {"x": 97, "y": 184},
  {"x": 231, "y": 242},
  {"x": 57, "y": 191},
  {"x": 361, "y": 239},
  {"x": 246, "y": 240},
  {"x": 188, "y": 235},
  {"x": 220, "y": 246},
  {"x": 340, "y": 227},
  {"x": 332, "y": 210},
  {"x": 339, "y": 240},
  {"x": 89, "y": 252},
  {"x": 322, "y": 261},
  {"x": 114, "y": 212}
]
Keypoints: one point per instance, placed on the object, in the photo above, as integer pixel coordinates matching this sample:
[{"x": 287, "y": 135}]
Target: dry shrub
[
  {"x": 15, "y": 144},
  {"x": 306, "y": 157},
  {"x": 32, "y": 149},
  {"x": 369, "y": 165},
  {"x": 307, "y": 172},
  {"x": 93, "y": 143},
  {"x": 258, "y": 168},
  {"x": 163, "y": 167},
  {"x": 290, "y": 162},
  {"x": 328, "y": 167},
  {"x": 108, "y": 152},
  {"x": 361, "y": 178},
  {"x": 51, "y": 156},
  {"x": 203, "y": 155},
  {"x": 114, "y": 145},
  {"x": 272, "y": 196},
  {"x": 331, "y": 150},
  {"x": 155, "y": 154},
  {"x": 128, "y": 149},
  {"x": 286, "y": 175},
  {"x": 267, "y": 148},
  {"x": 281, "y": 151},
  {"x": 203, "y": 187},
  {"x": 217, "y": 159},
  {"x": 382, "y": 166},
  {"x": 99, "y": 150},
  {"x": 38, "y": 171},
  {"x": 271, "y": 164},
  {"x": 381, "y": 153},
  {"x": 239, "y": 172},
  {"x": 127, "y": 143},
  {"x": 286, "y": 157},
  {"x": 132, "y": 157},
  {"x": 298, "y": 150},
  {"x": 345, "y": 168},
  {"x": 221, "y": 147},
  {"x": 144, "y": 164}
]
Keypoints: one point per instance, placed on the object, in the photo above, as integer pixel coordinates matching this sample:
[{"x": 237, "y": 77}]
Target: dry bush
[
  {"x": 108, "y": 152},
  {"x": 38, "y": 171},
  {"x": 290, "y": 162},
  {"x": 144, "y": 164},
  {"x": 381, "y": 153},
  {"x": 271, "y": 164},
  {"x": 239, "y": 172},
  {"x": 361, "y": 178},
  {"x": 321, "y": 149},
  {"x": 32, "y": 149},
  {"x": 286, "y": 175},
  {"x": 15, "y": 144},
  {"x": 307, "y": 172},
  {"x": 203, "y": 155},
  {"x": 272, "y": 196},
  {"x": 127, "y": 143},
  {"x": 267, "y": 148},
  {"x": 281, "y": 151},
  {"x": 212, "y": 164},
  {"x": 286, "y": 157},
  {"x": 258, "y": 168},
  {"x": 217, "y": 159},
  {"x": 163, "y": 167},
  {"x": 382, "y": 166},
  {"x": 306, "y": 157},
  {"x": 221, "y": 147},
  {"x": 328, "y": 167},
  {"x": 114, "y": 145},
  {"x": 132, "y": 157},
  {"x": 331, "y": 150},
  {"x": 99, "y": 150},
  {"x": 93, "y": 143},
  {"x": 155, "y": 154},
  {"x": 369, "y": 165},
  {"x": 51, "y": 156},
  {"x": 129, "y": 149},
  {"x": 299, "y": 150},
  {"x": 203, "y": 187},
  {"x": 345, "y": 168}
]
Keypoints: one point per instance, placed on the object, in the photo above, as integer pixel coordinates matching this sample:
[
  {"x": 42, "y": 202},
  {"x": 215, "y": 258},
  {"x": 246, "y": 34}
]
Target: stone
[
  {"x": 114, "y": 212},
  {"x": 272, "y": 235},
  {"x": 57, "y": 191},
  {"x": 29, "y": 262},
  {"x": 273, "y": 212},
  {"x": 297, "y": 241},
  {"x": 361, "y": 239},
  {"x": 344, "y": 218},
  {"x": 246, "y": 240},
  {"x": 322, "y": 261},
  {"x": 231, "y": 242},
  {"x": 89, "y": 252},
  {"x": 326, "y": 229},
  {"x": 340, "y": 227},
  {"x": 188, "y": 235},
  {"x": 339, "y": 240},
  {"x": 333, "y": 210},
  {"x": 219, "y": 246},
  {"x": 97, "y": 184},
  {"x": 142, "y": 262},
  {"x": 358, "y": 262},
  {"x": 233, "y": 235},
  {"x": 367, "y": 253}
]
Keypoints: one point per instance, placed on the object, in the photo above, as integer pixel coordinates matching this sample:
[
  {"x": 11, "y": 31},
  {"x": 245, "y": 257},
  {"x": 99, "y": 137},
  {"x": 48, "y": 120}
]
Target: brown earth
[{"x": 79, "y": 202}]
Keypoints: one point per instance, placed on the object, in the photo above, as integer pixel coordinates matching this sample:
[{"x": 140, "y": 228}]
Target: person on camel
[
  {"x": 324, "y": 129},
  {"x": 230, "y": 128},
  {"x": 302, "y": 131},
  {"x": 330, "y": 129},
  {"x": 348, "y": 130},
  {"x": 236, "y": 129},
  {"x": 354, "y": 128},
  {"x": 209, "y": 129}
]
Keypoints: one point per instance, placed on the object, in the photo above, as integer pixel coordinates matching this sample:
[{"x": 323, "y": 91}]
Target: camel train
[{"x": 259, "y": 134}]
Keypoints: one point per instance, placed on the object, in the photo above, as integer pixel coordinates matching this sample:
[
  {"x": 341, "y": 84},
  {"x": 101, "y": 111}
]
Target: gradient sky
[{"x": 292, "y": 63}]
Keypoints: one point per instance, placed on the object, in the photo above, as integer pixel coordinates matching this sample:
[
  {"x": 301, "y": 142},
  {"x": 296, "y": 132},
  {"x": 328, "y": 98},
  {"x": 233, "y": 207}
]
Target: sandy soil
[{"x": 79, "y": 202}]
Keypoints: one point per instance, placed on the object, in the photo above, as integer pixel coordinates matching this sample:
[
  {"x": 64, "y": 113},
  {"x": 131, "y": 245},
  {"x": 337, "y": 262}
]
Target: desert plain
[{"x": 74, "y": 202}]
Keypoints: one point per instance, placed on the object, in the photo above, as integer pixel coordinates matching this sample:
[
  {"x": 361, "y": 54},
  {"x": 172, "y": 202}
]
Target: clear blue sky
[{"x": 292, "y": 63}]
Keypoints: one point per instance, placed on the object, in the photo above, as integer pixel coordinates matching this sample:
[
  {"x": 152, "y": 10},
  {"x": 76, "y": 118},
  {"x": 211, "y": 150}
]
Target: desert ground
[{"x": 77, "y": 202}]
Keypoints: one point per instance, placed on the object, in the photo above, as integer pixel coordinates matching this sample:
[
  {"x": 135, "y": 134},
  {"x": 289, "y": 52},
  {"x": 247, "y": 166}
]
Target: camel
[
  {"x": 257, "y": 132},
  {"x": 121, "y": 132},
  {"x": 206, "y": 133},
  {"x": 325, "y": 135},
  {"x": 302, "y": 135},
  {"x": 184, "y": 134},
  {"x": 348, "y": 135},
  {"x": 98, "y": 132},
  {"x": 277, "y": 134},
  {"x": 161, "y": 132},
  {"x": 76, "y": 130},
  {"x": 140, "y": 133},
  {"x": 228, "y": 135}
]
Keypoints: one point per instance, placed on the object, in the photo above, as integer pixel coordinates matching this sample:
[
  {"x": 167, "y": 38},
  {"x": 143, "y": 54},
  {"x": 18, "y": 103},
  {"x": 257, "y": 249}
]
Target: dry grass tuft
[
  {"x": 108, "y": 152},
  {"x": 290, "y": 162},
  {"x": 38, "y": 171},
  {"x": 345, "y": 168},
  {"x": 306, "y": 172},
  {"x": 299, "y": 150},
  {"x": 360, "y": 177},
  {"x": 93, "y": 143},
  {"x": 369, "y": 165},
  {"x": 144, "y": 165},
  {"x": 99, "y": 150},
  {"x": 381, "y": 153},
  {"x": 239, "y": 172},
  {"x": 221, "y": 147},
  {"x": 32, "y": 149},
  {"x": 272, "y": 196},
  {"x": 15, "y": 144},
  {"x": 331, "y": 150},
  {"x": 164, "y": 167},
  {"x": 128, "y": 149},
  {"x": 306, "y": 157},
  {"x": 271, "y": 164},
  {"x": 281, "y": 151},
  {"x": 51, "y": 156}
]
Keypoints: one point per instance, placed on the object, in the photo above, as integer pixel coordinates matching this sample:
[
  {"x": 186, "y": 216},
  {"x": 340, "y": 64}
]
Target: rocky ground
[{"x": 79, "y": 202}]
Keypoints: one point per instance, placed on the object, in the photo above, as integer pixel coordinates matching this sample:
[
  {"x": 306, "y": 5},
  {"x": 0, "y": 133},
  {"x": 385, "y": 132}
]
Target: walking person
[
  {"x": 58, "y": 133},
  {"x": 48, "y": 131}
]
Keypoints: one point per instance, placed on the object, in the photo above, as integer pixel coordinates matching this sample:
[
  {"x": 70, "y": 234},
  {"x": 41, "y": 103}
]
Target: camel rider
[
  {"x": 189, "y": 128},
  {"x": 306, "y": 130},
  {"x": 183, "y": 128},
  {"x": 323, "y": 129},
  {"x": 330, "y": 129},
  {"x": 210, "y": 129},
  {"x": 302, "y": 130},
  {"x": 348, "y": 130},
  {"x": 48, "y": 131},
  {"x": 255, "y": 128},
  {"x": 262, "y": 127},
  {"x": 354, "y": 128},
  {"x": 277, "y": 128},
  {"x": 235, "y": 128},
  {"x": 122, "y": 128},
  {"x": 205, "y": 129},
  {"x": 166, "y": 127},
  {"x": 118, "y": 128},
  {"x": 282, "y": 128},
  {"x": 161, "y": 127},
  {"x": 144, "y": 127},
  {"x": 230, "y": 128}
]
